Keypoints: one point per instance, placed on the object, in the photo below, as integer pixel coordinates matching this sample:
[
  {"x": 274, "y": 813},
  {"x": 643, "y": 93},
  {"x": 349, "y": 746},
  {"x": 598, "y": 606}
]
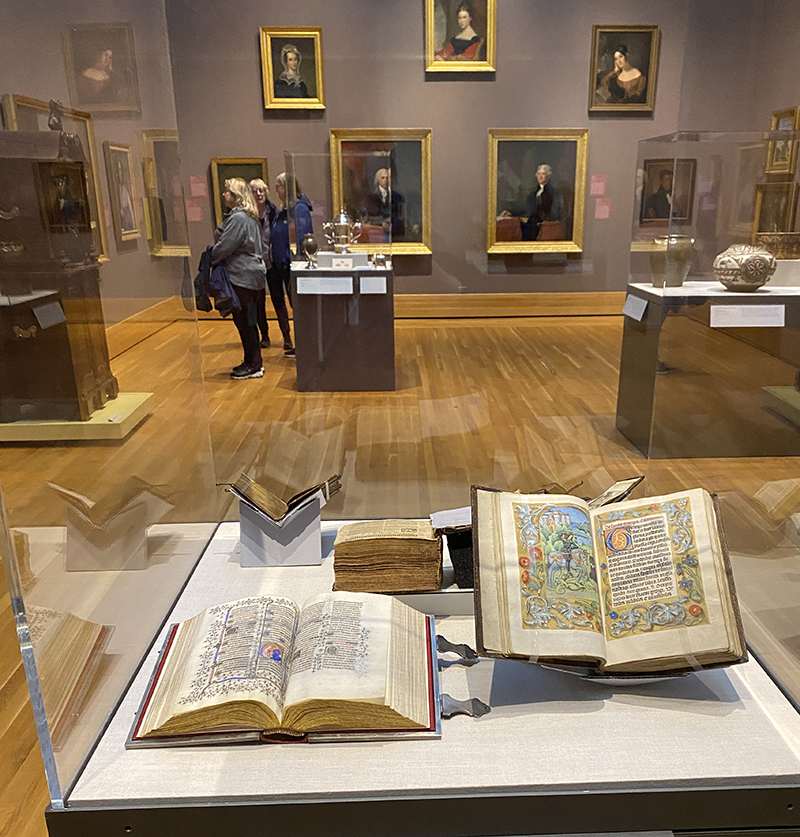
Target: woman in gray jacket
[{"x": 238, "y": 247}]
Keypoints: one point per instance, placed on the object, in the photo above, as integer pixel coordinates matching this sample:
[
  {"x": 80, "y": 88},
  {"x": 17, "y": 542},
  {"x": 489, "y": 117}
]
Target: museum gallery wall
[
  {"x": 44, "y": 45},
  {"x": 376, "y": 78},
  {"x": 716, "y": 69}
]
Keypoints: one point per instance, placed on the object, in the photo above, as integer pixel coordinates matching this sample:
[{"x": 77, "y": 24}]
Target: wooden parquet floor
[{"x": 512, "y": 403}]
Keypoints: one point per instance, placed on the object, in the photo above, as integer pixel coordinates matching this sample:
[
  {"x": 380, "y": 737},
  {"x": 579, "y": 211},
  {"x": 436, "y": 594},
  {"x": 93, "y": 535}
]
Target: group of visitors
[{"x": 253, "y": 243}]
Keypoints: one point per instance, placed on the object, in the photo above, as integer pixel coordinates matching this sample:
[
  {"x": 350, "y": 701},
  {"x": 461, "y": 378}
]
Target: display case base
[{"x": 113, "y": 421}]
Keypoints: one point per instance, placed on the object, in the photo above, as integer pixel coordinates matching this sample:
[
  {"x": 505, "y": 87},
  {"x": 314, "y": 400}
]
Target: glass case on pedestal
[
  {"x": 101, "y": 527},
  {"x": 711, "y": 356}
]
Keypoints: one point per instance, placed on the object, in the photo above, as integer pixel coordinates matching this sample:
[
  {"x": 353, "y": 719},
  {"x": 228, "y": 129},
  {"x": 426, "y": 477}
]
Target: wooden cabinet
[
  {"x": 54, "y": 360},
  {"x": 53, "y": 354}
]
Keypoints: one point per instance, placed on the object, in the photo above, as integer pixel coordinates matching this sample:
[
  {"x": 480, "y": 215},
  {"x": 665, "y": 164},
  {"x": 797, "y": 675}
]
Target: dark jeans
[
  {"x": 277, "y": 280},
  {"x": 246, "y": 321}
]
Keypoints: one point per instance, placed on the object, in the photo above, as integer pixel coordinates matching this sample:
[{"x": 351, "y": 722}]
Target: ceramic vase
[{"x": 670, "y": 263}]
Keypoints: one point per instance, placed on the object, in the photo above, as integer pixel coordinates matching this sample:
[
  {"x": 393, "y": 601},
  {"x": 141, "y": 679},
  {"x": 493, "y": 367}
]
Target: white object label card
[
  {"x": 324, "y": 284},
  {"x": 748, "y": 316},
  {"x": 49, "y": 314},
  {"x": 634, "y": 307},
  {"x": 373, "y": 284},
  {"x": 343, "y": 263}
]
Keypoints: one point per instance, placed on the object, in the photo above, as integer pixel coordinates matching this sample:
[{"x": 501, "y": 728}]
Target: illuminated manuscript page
[
  {"x": 660, "y": 581},
  {"x": 539, "y": 595},
  {"x": 341, "y": 648},
  {"x": 236, "y": 651}
]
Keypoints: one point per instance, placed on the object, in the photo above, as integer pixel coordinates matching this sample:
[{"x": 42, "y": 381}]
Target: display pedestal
[
  {"x": 344, "y": 329},
  {"x": 296, "y": 541},
  {"x": 691, "y": 385},
  {"x": 741, "y": 771},
  {"x": 119, "y": 542},
  {"x": 113, "y": 422}
]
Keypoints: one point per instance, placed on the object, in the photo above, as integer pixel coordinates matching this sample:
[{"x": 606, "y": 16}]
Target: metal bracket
[
  {"x": 464, "y": 651},
  {"x": 472, "y": 707}
]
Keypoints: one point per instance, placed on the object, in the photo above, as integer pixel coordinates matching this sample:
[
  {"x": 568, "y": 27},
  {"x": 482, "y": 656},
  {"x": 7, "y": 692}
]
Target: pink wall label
[
  {"x": 194, "y": 211},
  {"x": 602, "y": 209},
  {"x": 597, "y": 185},
  {"x": 198, "y": 186}
]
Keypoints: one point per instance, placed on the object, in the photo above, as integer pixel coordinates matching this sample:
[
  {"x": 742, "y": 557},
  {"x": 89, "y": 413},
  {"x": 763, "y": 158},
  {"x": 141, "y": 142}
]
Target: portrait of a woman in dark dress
[
  {"x": 290, "y": 84},
  {"x": 466, "y": 44}
]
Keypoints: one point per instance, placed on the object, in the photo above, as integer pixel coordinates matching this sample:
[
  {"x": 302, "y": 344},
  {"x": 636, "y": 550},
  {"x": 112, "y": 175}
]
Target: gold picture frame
[
  {"x": 636, "y": 93},
  {"x": 655, "y": 208},
  {"x": 409, "y": 151},
  {"x": 223, "y": 168},
  {"x": 782, "y": 154},
  {"x": 775, "y": 208},
  {"x": 516, "y": 156},
  {"x": 121, "y": 191},
  {"x": 293, "y": 88},
  {"x": 445, "y": 54},
  {"x": 749, "y": 169},
  {"x": 100, "y": 61},
  {"x": 22, "y": 113},
  {"x": 164, "y": 207}
]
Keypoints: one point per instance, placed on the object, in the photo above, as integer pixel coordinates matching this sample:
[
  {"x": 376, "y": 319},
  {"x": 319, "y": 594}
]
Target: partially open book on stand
[{"x": 633, "y": 587}]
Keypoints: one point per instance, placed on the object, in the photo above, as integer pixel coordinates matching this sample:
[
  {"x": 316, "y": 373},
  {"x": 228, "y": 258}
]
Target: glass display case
[
  {"x": 709, "y": 364},
  {"x": 100, "y": 530},
  {"x": 414, "y": 358}
]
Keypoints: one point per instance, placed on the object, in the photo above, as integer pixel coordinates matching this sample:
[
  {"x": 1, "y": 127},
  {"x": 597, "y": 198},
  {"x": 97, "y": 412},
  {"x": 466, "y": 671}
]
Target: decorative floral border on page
[
  {"x": 686, "y": 606},
  {"x": 265, "y": 670},
  {"x": 557, "y": 577}
]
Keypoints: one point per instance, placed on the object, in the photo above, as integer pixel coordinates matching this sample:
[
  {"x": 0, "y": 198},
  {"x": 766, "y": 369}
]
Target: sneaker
[
  {"x": 290, "y": 353},
  {"x": 244, "y": 374},
  {"x": 264, "y": 343},
  {"x": 240, "y": 368},
  {"x": 287, "y": 345}
]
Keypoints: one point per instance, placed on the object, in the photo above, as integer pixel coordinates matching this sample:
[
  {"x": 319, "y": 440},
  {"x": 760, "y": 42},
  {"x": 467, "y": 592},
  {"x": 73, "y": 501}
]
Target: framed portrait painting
[
  {"x": 460, "y": 36},
  {"x": 668, "y": 192},
  {"x": 291, "y": 68},
  {"x": 101, "y": 67},
  {"x": 382, "y": 177},
  {"x": 121, "y": 191},
  {"x": 537, "y": 190},
  {"x": 21, "y": 113},
  {"x": 224, "y": 168},
  {"x": 782, "y": 154},
  {"x": 624, "y": 66},
  {"x": 63, "y": 197},
  {"x": 164, "y": 207},
  {"x": 776, "y": 205}
]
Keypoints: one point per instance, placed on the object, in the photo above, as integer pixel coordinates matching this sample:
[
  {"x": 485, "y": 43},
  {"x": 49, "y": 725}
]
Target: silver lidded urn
[
  {"x": 744, "y": 267},
  {"x": 310, "y": 247},
  {"x": 342, "y": 231},
  {"x": 671, "y": 260}
]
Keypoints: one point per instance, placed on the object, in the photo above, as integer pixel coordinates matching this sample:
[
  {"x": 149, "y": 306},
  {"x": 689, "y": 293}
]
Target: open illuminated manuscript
[
  {"x": 264, "y": 666},
  {"x": 633, "y": 587}
]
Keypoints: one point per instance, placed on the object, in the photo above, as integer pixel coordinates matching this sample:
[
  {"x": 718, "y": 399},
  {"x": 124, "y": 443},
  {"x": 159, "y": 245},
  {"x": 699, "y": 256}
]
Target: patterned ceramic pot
[{"x": 744, "y": 267}]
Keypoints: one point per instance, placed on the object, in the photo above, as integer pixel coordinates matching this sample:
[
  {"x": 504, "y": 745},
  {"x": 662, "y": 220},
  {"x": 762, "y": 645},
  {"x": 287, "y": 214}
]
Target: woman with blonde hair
[
  {"x": 266, "y": 215},
  {"x": 238, "y": 248}
]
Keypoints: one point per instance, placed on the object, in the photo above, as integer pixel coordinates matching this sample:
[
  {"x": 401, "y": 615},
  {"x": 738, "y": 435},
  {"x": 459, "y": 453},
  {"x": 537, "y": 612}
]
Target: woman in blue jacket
[
  {"x": 238, "y": 247},
  {"x": 299, "y": 212}
]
